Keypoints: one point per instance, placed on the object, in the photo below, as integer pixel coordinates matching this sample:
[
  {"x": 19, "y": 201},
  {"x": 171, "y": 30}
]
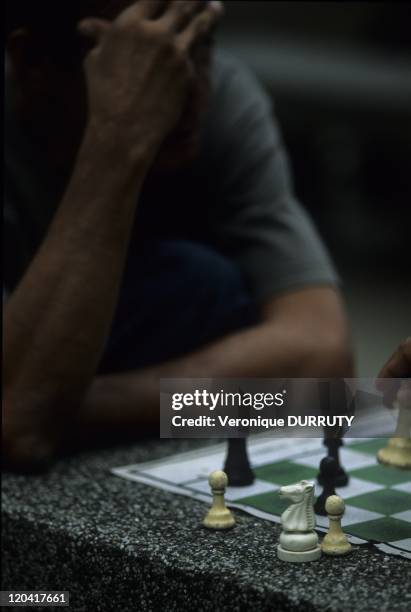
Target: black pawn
[
  {"x": 237, "y": 465},
  {"x": 341, "y": 478},
  {"x": 329, "y": 471}
]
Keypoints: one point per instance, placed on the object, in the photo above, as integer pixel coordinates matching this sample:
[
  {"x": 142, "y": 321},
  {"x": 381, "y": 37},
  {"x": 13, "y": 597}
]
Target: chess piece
[
  {"x": 335, "y": 541},
  {"x": 398, "y": 450},
  {"x": 219, "y": 516},
  {"x": 329, "y": 471},
  {"x": 237, "y": 465},
  {"x": 298, "y": 540},
  {"x": 341, "y": 477},
  {"x": 335, "y": 399}
]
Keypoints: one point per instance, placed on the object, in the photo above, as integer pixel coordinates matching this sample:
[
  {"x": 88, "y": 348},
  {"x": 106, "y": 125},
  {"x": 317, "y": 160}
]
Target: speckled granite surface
[{"x": 122, "y": 546}]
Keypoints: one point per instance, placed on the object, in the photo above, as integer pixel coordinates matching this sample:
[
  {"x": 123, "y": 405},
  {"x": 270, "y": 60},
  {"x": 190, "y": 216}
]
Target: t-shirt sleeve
[{"x": 256, "y": 219}]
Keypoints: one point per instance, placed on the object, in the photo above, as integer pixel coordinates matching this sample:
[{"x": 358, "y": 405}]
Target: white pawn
[
  {"x": 219, "y": 516},
  {"x": 398, "y": 450},
  {"x": 335, "y": 541}
]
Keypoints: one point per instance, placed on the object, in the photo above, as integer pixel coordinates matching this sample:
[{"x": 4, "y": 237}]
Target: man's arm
[
  {"x": 257, "y": 223},
  {"x": 50, "y": 354},
  {"x": 303, "y": 333},
  {"x": 57, "y": 320}
]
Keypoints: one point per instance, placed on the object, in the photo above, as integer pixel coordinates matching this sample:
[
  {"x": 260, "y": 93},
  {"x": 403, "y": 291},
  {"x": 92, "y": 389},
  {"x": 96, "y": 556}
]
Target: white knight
[{"x": 298, "y": 540}]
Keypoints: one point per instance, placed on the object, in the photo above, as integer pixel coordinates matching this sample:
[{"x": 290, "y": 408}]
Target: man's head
[{"x": 46, "y": 52}]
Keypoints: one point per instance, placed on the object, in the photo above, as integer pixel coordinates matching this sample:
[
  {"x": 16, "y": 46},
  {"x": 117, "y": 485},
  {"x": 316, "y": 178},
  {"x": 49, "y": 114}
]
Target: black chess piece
[
  {"x": 329, "y": 471},
  {"x": 341, "y": 478},
  {"x": 237, "y": 465},
  {"x": 335, "y": 399}
]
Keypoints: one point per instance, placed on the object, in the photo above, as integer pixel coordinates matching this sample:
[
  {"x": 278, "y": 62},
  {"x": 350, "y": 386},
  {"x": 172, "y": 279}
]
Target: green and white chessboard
[{"x": 377, "y": 498}]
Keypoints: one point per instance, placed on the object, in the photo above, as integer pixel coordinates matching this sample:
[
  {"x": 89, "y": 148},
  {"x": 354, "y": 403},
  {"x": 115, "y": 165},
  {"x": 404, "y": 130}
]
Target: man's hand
[
  {"x": 57, "y": 320},
  {"x": 139, "y": 71},
  {"x": 397, "y": 366}
]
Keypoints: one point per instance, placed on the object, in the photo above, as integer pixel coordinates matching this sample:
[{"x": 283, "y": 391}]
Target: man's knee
[
  {"x": 214, "y": 288},
  {"x": 206, "y": 274},
  {"x": 177, "y": 296}
]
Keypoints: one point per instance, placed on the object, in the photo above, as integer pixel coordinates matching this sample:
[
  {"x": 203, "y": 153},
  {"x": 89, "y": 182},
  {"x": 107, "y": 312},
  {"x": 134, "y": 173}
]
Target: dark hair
[{"x": 52, "y": 24}]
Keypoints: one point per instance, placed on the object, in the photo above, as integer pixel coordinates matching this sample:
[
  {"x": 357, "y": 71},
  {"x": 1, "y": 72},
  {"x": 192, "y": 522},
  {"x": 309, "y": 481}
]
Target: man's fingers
[
  {"x": 404, "y": 394},
  {"x": 143, "y": 9},
  {"x": 389, "y": 389},
  {"x": 179, "y": 13},
  {"x": 399, "y": 364},
  {"x": 93, "y": 28},
  {"x": 201, "y": 24}
]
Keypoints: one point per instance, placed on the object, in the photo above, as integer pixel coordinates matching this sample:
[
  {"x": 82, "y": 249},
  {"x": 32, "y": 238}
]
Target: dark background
[{"x": 340, "y": 77}]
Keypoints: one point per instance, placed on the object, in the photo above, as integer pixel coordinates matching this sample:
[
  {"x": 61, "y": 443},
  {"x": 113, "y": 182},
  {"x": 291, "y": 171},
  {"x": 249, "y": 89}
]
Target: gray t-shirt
[{"x": 236, "y": 197}]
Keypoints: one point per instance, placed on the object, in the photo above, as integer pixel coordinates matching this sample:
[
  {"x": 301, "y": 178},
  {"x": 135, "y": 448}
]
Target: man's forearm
[
  {"x": 267, "y": 350},
  {"x": 57, "y": 319}
]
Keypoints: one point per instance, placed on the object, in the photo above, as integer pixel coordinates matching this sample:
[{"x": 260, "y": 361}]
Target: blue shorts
[{"x": 176, "y": 296}]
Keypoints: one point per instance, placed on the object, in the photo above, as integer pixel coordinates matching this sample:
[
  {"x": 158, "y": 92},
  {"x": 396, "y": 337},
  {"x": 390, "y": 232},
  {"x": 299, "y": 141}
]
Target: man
[{"x": 151, "y": 229}]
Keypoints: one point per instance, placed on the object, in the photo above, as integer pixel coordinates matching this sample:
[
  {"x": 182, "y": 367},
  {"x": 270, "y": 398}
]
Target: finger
[
  {"x": 143, "y": 9},
  {"x": 180, "y": 12},
  {"x": 404, "y": 395},
  {"x": 93, "y": 28},
  {"x": 387, "y": 382},
  {"x": 200, "y": 25},
  {"x": 399, "y": 364},
  {"x": 389, "y": 389}
]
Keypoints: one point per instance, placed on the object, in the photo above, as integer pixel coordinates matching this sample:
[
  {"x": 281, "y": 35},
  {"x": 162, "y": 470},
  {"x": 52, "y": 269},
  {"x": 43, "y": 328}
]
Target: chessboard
[{"x": 377, "y": 497}]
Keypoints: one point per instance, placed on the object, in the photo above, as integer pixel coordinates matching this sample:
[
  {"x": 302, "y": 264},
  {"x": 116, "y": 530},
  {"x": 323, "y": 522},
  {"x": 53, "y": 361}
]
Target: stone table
[{"x": 124, "y": 546}]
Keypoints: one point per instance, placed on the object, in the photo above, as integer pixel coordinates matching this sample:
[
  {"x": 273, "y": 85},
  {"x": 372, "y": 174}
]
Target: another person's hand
[
  {"x": 139, "y": 70},
  {"x": 397, "y": 366}
]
